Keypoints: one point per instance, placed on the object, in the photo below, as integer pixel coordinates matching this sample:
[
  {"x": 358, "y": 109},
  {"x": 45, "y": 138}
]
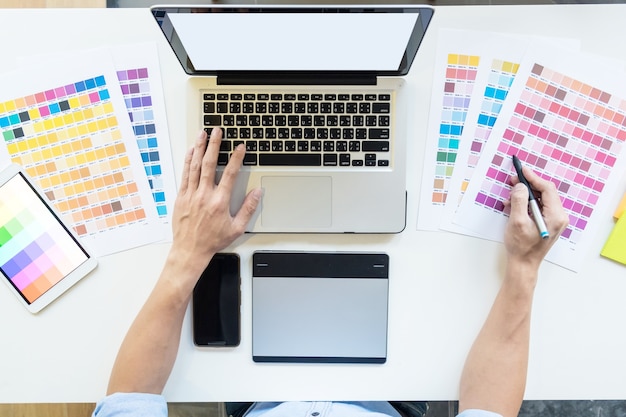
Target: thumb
[
  {"x": 248, "y": 208},
  {"x": 519, "y": 201}
]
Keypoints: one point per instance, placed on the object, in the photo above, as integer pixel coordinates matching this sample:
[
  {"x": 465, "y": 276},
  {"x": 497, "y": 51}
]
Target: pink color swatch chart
[{"x": 567, "y": 122}]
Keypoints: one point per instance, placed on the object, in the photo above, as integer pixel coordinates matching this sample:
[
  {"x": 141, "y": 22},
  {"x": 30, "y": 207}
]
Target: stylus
[{"x": 532, "y": 201}]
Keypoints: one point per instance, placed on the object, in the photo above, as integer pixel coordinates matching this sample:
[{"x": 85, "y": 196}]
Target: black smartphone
[{"x": 216, "y": 301}]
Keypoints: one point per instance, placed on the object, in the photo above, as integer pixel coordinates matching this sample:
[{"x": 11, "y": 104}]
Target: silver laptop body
[{"x": 324, "y": 175}]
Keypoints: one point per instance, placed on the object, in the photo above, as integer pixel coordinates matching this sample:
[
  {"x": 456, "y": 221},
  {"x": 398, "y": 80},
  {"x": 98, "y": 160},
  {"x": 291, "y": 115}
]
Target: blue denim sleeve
[
  {"x": 478, "y": 413},
  {"x": 131, "y": 404}
]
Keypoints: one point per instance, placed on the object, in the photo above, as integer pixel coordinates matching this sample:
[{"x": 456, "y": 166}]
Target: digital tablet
[{"x": 40, "y": 257}]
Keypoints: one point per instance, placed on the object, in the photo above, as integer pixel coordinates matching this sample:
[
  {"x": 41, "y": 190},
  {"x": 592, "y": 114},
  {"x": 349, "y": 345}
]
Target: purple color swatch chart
[{"x": 135, "y": 86}]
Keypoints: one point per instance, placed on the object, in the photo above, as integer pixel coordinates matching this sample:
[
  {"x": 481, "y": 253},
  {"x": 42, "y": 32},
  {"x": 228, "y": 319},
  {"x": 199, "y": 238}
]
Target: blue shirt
[{"x": 152, "y": 405}]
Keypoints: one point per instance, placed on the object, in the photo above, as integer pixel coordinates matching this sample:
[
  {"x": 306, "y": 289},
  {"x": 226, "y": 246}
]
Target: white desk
[{"x": 436, "y": 307}]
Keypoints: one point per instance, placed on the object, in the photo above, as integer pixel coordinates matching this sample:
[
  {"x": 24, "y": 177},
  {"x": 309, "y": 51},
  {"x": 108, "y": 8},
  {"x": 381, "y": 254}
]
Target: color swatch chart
[
  {"x": 501, "y": 76},
  {"x": 570, "y": 132},
  {"x": 35, "y": 251},
  {"x": 68, "y": 138},
  {"x": 460, "y": 76},
  {"x": 135, "y": 84}
]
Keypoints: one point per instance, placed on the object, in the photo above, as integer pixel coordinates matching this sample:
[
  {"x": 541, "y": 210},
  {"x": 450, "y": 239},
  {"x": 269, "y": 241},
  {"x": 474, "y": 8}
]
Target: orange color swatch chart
[{"x": 69, "y": 140}]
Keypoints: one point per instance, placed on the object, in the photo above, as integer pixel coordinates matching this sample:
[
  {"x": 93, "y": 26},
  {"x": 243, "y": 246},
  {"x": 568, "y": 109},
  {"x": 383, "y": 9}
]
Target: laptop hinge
[{"x": 295, "y": 78}]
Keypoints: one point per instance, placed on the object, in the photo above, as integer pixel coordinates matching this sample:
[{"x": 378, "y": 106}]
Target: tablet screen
[{"x": 36, "y": 250}]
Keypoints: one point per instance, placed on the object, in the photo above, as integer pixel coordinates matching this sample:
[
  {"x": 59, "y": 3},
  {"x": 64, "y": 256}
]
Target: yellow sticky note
[
  {"x": 620, "y": 208},
  {"x": 615, "y": 246}
]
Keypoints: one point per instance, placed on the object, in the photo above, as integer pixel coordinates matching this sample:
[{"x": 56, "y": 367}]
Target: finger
[
  {"x": 552, "y": 208},
  {"x": 184, "y": 182},
  {"x": 519, "y": 202},
  {"x": 209, "y": 161},
  {"x": 232, "y": 169},
  {"x": 245, "y": 213},
  {"x": 195, "y": 165}
]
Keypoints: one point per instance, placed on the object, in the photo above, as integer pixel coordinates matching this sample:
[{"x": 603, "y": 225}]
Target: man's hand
[
  {"x": 202, "y": 222},
  {"x": 521, "y": 238}
]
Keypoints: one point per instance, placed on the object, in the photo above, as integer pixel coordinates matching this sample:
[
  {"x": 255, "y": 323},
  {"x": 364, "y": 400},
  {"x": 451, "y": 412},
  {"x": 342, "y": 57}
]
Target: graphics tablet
[{"x": 40, "y": 258}]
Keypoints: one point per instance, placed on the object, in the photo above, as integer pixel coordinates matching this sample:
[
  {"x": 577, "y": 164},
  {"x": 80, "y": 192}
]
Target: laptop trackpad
[{"x": 296, "y": 202}]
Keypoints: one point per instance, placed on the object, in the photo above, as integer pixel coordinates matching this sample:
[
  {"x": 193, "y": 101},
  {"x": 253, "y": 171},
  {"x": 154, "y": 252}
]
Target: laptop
[
  {"x": 316, "y": 95},
  {"x": 319, "y": 307}
]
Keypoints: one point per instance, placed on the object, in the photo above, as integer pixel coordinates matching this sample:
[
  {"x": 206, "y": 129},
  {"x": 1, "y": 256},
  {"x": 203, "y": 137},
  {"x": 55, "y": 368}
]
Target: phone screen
[{"x": 216, "y": 301}]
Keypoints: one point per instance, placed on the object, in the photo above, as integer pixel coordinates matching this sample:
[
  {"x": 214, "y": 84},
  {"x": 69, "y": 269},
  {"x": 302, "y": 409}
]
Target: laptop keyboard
[{"x": 302, "y": 129}]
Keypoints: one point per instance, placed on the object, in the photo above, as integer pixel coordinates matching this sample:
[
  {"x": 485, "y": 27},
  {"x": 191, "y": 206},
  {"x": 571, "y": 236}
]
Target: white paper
[{"x": 574, "y": 139}]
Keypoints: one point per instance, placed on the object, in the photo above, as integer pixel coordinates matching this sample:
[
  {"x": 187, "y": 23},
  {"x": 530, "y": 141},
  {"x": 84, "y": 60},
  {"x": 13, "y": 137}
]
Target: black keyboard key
[
  {"x": 254, "y": 120},
  {"x": 249, "y": 96},
  {"x": 338, "y": 108},
  {"x": 344, "y": 120},
  {"x": 222, "y": 107},
  {"x": 330, "y": 159},
  {"x": 329, "y": 146},
  {"x": 261, "y": 107},
  {"x": 312, "y": 107},
  {"x": 379, "y": 134},
  {"x": 357, "y": 97},
  {"x": 228, "y": 120},
  {"x": 332, "y": 120},
  {"x": 250, "y": 159},
  {"x": 303, "y": 96},
  {"x": 264, "y": 146},
  {"x": 357, "y": 162},
  {"x": 326, "y": 107},
  {"x": 283, "y": 133},
  {"x": 309, "y": 133},
  {"x": 277, "y": 145},
  {"x": 381, "y": 108},
  {"x": 370, "y": 97},
  {"x": 383, "y": 120},
  {"x": 352, "y": 107},
  {"x": 290, "y": 97},
  {"x": 365, "y": 107},
  {"x": 296, "y": 133},
  {"x": 299, "y": 107},
  {"x": 263, "y": 97},
  {"x": 274, "y": 107},
  {"x": 384, "y": 97},
  {"x": 354, "y": 146},
  {"x": 248, "y": 107},
  {"x": 344, "y": 159},
  {"x": 361, "y": 133},
  {"x": 383, "y": 162},
  {"x": 371, "y": 120},
  {"x": 375, "y": 146},
  {"x": 357, "y": 120},
  {"x": 335, "y": 133},
  {"x": 222, "y": 158},
  {"x": 286, "y": 107},
  {"x": 209, "y": 107},
  {"x": 330, "y": 97},
  {"x": 251, "y": 146},
  {"x": 267, "y": 120},
  {"x": 276, "y": 96},
  {"x": 212, "y": 120},
  {"x": 316, "y": 146},
  {"x": 270, "y": 133},
  {"x": 322, "y": 133},
  {"x": 316, "y": 97},
  {"x": 226, "y": 146},
  {"x": 244, "y": 133},
  {"x": 222, "y": 96},
  {"x": 290, "y": 159},
  {"x": 306, "y": 120},
  {"x": 280, "y": 120},
  {"x": 347, "y": 133},
  {"x": 234, "y": 107},
  {"x": 290, "y": 145},
  {"x": 319, "y": 120},
  {"x": 241, "y": 120},
  {"x": 344, "y": 97},
  {"x": 342, "y": 146},
  {"x": 236, "y": 96},
  {"x": 293, "y": 120},
  {"x": 209, "y": 96},
  {"x": 303, "y": 146},
  {"x": 257, "y": 133},
  {"x": 232, "y": 133}
]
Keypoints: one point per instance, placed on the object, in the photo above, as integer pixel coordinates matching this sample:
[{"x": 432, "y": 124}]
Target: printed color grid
[
  {"x": 459, "y": 80},
  {"x": 69, "y": 141},
  {"x": 136, "y": 91},
  {"x": 35, "y": 251},
  {"x": 569, "y": 132},
  {"x": 501, "y": 76}
]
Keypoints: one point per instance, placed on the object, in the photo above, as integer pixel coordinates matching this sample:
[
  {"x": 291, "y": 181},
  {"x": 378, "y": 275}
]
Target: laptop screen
[{"x": 209, "y": 40}]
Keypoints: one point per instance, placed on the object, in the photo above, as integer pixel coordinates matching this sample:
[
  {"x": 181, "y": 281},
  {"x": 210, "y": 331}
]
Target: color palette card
[
  {"x": 462, "y": 56},
  {"x": 564, "y": 117},
  {"x": 65, "y": 121},
  {"x": 493, "y": 82},
  {"x": 139, "y": 75}
]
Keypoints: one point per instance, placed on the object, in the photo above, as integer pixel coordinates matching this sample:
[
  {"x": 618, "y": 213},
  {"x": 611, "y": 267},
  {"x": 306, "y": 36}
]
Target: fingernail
[{"x": 257, "y": 193}]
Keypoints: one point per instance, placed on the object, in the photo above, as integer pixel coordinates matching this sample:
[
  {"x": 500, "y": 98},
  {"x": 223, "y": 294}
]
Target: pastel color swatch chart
[
  {"x": 460, "y": 76},
  {"x": 135, "y": 85},
  {"x": 501, "y": 76},
  {"x": 571, "y": 132},
  {"x": 35, "y": 251}
]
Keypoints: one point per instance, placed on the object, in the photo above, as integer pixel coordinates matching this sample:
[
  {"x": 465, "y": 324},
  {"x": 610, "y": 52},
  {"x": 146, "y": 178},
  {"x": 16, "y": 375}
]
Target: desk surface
[{"x": 436, "y": 308}]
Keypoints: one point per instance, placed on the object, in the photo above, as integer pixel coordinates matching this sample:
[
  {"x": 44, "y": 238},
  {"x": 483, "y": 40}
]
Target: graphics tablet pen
[{"x": 532, "y": 201}]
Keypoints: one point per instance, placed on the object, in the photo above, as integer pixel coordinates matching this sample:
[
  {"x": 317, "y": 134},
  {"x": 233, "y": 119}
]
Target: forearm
[
  {"x": 149, "y": 350},
  {"x": 494, "y": 376}
]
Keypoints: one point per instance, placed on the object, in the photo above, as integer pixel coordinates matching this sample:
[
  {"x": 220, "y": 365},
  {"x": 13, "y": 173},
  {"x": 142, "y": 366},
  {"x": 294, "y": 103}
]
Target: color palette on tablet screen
[
  {"x": 135, "y": 86},
  {"x": 569, "y": 132},
  {"x": 69, "y": 141},
  {"x": 35, "y": 251},
  {"x": 460, "y": 76}
]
